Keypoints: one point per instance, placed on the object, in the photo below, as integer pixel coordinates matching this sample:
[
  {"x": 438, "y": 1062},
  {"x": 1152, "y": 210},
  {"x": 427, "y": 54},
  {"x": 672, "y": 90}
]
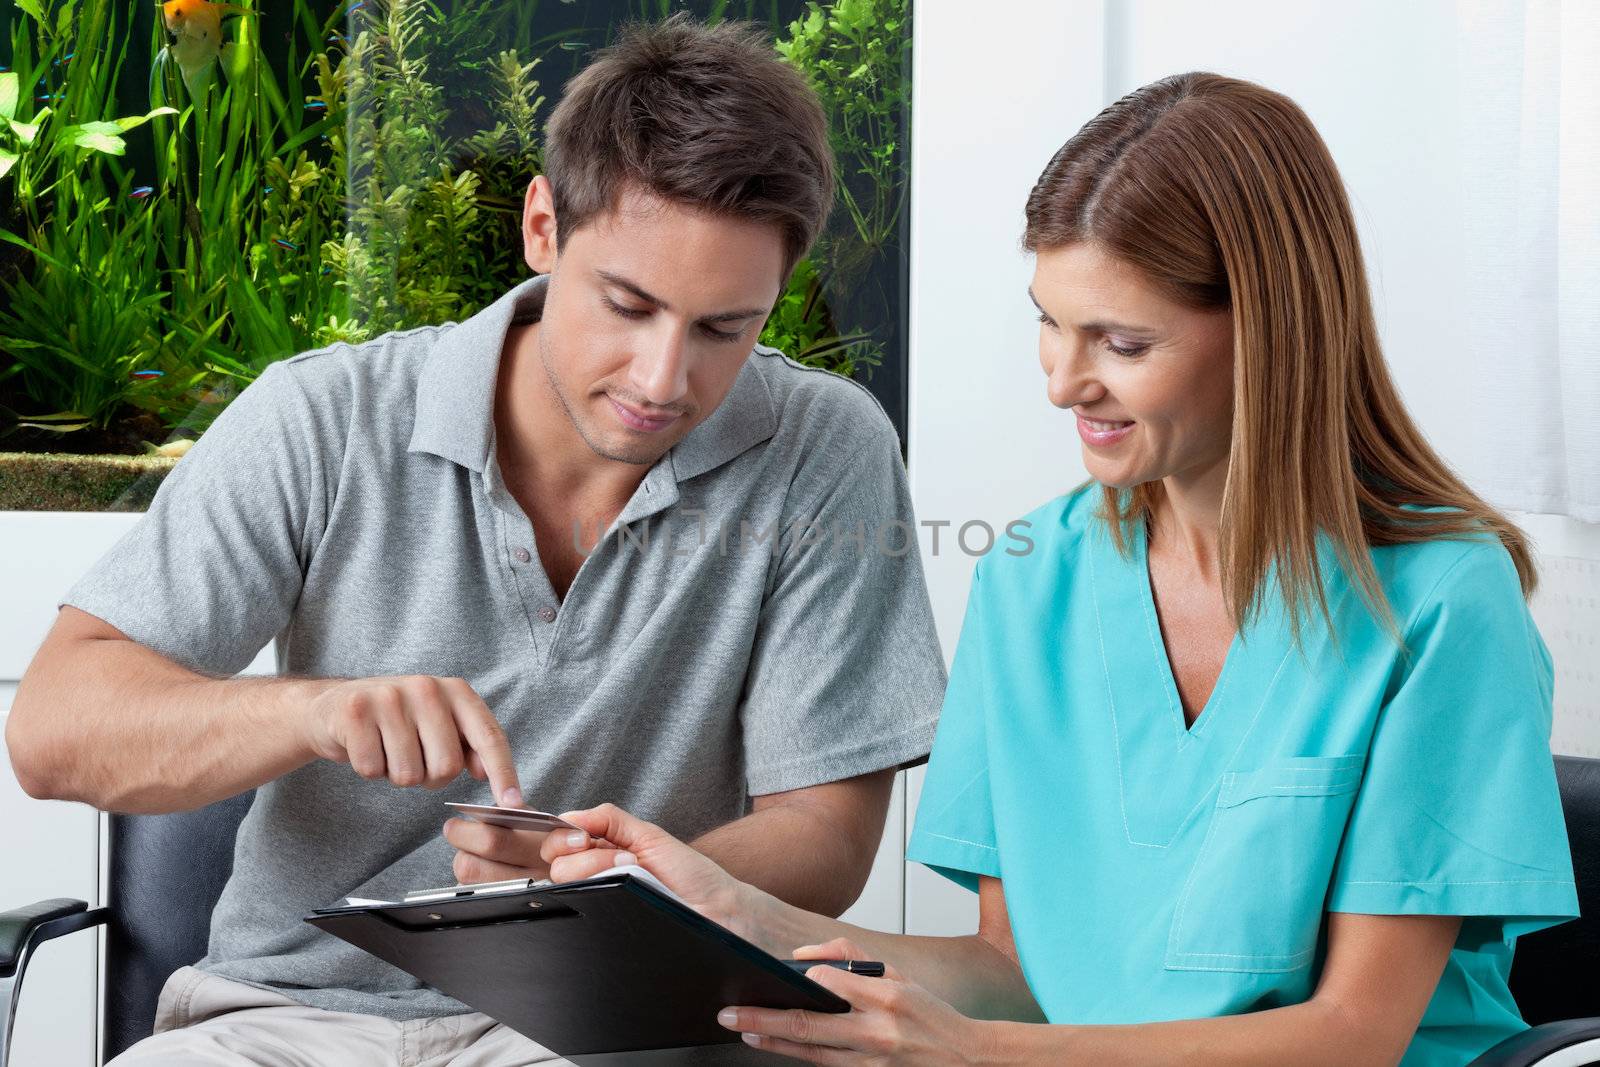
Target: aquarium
[{"x": 191, "y": 190}]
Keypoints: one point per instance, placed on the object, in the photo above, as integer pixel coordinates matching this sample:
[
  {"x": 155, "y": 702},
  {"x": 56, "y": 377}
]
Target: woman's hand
[
  {"x": 892, "y": 1021},
  {"x": 616, "y": 838}
]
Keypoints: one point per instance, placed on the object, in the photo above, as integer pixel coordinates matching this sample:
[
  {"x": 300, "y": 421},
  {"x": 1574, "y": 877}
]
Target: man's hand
[
  {"x": 413, "y": 730},
  {"x": 487, "y": 853}
]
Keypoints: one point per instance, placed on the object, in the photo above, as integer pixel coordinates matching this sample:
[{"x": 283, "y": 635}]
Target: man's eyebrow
[
  {"x": 722, "y": 316},
  {"x": 1099, "y": 325},
  {"x": 622, "y": 283}
]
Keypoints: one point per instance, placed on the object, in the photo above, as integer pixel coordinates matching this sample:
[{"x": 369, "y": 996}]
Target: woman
[{"x": 1248, "y": 759}]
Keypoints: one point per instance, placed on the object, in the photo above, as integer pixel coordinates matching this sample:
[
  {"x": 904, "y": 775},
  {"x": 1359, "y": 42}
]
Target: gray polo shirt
[{"x": 750, "y": 625}]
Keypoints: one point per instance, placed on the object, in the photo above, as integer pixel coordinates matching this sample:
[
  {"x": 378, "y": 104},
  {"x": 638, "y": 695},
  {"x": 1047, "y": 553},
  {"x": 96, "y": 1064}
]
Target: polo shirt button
[
  {"x": 547, "y": 614},
  {"x": 522, "y": 555}
]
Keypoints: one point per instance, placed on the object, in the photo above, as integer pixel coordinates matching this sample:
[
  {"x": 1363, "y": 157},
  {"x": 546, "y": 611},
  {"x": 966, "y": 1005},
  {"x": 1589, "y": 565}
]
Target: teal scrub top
[{"x": 1154, "y": 871}]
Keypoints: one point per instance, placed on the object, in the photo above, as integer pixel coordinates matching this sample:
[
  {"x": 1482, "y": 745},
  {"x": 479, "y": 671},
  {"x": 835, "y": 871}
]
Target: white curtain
[{"x": 1530, "y": 97}]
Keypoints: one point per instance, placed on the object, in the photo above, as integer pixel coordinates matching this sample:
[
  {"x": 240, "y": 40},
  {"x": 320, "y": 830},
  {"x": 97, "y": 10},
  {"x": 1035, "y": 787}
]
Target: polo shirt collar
[
  {"x": 455, "y": 396},
  {"x": 455, "y": 391},
  {"x": 745, "y": 418}
]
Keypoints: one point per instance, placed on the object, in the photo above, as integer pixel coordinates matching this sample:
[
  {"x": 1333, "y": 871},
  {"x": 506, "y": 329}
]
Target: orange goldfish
[{"x": 196, "y": 28}]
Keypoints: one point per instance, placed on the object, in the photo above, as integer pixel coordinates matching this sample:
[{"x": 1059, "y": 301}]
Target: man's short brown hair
[{"x": 707, "y": 116}]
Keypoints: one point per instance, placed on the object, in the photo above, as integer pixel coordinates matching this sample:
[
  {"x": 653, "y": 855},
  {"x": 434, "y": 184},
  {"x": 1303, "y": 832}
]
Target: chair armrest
[
  {"x": 22, "y": 931},
  {"x": 18, "y": 927},
  {"x": 1533, "y": 1045}
]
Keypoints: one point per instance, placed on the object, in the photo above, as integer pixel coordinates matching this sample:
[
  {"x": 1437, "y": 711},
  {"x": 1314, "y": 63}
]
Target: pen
[{"x": 870, "y": 968}]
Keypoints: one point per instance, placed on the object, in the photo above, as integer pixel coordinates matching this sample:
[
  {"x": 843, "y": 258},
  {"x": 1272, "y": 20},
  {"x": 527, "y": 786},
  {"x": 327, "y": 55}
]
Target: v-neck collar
[
  {"x": 1165, "y": 678},
  {"x": 1166, "y": 773}
]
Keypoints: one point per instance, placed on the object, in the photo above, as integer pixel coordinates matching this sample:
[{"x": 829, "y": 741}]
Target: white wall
[
  {"x": 988, "y": 112},
  {"x": 992, "y": 106}
]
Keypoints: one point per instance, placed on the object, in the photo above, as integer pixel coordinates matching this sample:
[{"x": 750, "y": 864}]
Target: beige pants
[{"x": 206, "y": 1021}]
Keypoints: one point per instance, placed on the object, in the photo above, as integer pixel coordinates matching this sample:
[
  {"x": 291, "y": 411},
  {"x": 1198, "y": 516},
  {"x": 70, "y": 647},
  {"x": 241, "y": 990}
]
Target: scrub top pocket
[{"x": 1254, "y": 898}]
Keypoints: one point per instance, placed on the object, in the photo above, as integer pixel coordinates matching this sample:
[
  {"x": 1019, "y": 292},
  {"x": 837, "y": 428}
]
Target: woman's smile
[{"x": 1101, "y": 433}]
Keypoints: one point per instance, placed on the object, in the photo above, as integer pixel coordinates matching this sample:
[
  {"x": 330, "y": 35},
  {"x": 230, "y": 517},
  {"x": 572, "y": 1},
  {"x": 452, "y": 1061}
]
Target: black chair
[
  {"x": 167, "y": 872},
  {"x": 1554, "y": 972}
]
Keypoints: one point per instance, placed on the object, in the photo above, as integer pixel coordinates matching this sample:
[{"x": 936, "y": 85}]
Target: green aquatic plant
[
  {"x": 160, "y": 255},
  {"x": 76, "y": 325},
  {"x": 856, "y": 54},
  {"x": 505, "y": 156},
  {"x": 241, "y": 291},
  {"x": 802, "y": 327},
  {"x": 419, "y": 245},
  {"x": 79, "y": 367},
  {"x": 336, "y": 169},
  {"x": 35, "y": 142}
]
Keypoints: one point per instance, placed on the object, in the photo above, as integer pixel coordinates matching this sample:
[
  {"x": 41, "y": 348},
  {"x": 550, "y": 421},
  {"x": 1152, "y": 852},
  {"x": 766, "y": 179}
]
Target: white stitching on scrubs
[
  {"x": 1202, "y": 726},
  {"x": 1507, "y": 881},
  {"x": 1236, "y": 956},
  {"x": 960, "y": 841},
  {"x": 1194, "y": 868},
  {"x": 1116, "y": 733},
  {"x": 1111, "y": 701}
]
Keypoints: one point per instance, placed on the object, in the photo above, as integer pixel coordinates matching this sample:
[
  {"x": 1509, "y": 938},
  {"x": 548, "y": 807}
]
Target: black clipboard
[{"x": 604, "y": 965}]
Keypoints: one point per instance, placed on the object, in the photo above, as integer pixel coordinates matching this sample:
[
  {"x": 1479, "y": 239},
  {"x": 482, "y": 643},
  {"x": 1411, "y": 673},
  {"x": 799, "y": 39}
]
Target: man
[{"x": 744, "y": 656}]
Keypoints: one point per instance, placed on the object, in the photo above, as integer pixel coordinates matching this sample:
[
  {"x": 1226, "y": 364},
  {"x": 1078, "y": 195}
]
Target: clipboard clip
[{"x": 475, "y": 889}]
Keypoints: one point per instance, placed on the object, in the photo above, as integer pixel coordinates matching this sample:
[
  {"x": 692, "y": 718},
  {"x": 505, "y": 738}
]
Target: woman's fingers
[
  {"x": 588, "y": 864},
  {"x": 860, "y": 990},
  {"x": 802, "y": 1029},
  {"x": 610, "y": 823},
  {"x": 842, "y": 949},
  {"x": 560, "y": 843},
  {"x": 820, "y": 1054}
]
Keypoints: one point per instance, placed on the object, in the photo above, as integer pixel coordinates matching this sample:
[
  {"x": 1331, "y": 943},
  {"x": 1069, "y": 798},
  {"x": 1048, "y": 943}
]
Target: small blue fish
[
  {"x": 316, "y": 105},
  {"x": 357, "y": 6},
  {"x": 266, "y": 188},
  {"x": 327, "y": 270},
  {"x": 142, "y": 192},
  {"x": 146, "y": 374},
  {"x": 65, "y": 59},
  {"x": 332, "y": 37},
  {"x": 573, "y": 46},
  {"x": 45, "y": 98},
  {"x": 290, "y": 245}
]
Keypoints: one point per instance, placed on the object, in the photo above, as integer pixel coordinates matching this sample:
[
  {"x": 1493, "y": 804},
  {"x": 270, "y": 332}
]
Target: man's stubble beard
[{"x": 639, "y": 458}]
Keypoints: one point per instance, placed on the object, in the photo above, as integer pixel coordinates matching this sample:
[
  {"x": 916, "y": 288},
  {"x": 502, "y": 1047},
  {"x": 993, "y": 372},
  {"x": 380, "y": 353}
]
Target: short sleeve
[
  {"x": 1459, "y": 813},
  {"x": 954, "y": 832},
  {"x": 845, "y": 674},
  {"x": 214, "y": 569}
]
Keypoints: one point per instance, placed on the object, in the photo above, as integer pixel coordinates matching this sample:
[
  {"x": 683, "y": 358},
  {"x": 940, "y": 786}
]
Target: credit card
[{"x": 512, "y": 818}]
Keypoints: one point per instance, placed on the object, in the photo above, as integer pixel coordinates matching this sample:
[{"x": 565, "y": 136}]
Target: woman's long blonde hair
[{"x": 1224, "y": 195}]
